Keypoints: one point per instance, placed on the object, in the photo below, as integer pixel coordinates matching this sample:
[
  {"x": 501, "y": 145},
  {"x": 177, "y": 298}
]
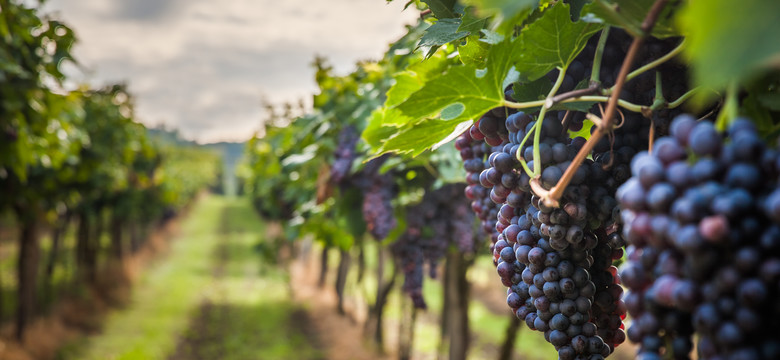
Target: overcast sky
[{"x": 202, "y": 66}]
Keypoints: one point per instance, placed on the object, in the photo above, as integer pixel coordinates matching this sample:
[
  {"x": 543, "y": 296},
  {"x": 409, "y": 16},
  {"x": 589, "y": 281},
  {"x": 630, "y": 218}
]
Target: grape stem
[
  {"x": 682, "y": 98},
  {"x": 540, "y": 119},
  {"x": 552, "y": 197},
  {"x": 595, "y": 72},
  {"x": 572, "y": 94},
  {"x": 657, "y": 62},
  {"x": 520, "y": 158},
  {"x": 549, "y": 102},
  {"x": 659, "y": 101}
]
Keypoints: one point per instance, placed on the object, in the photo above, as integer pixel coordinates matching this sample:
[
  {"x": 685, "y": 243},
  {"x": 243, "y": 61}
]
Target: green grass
[
  {"x": 164, "y": 298},
  {"x": 247, "y": 317},
  {"x": 216, "y": 261}
]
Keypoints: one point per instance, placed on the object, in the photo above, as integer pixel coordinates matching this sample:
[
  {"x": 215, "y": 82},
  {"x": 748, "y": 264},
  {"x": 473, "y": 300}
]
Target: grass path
[{"x": 207, "y": 299}]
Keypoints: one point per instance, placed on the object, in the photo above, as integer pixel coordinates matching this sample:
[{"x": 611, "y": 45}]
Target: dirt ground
[
  {"x": 342, "y": 334},
  {"x": 77, "y": 316}
]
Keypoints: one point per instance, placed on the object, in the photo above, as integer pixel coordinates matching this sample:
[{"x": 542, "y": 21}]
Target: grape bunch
[
  {"x": 546, "y": 256},
  {"x": 440, "y": 220},
  {"x": 378, "y": 189},
  {"x": 474, "y": 155},
  {"x": 701, "y": 219},
  {"x": 344, "y": 155},
  {"x": 377, "y": 207},
  {"x": 378, "y": 192},
  {"x": 558, "y": 262}
]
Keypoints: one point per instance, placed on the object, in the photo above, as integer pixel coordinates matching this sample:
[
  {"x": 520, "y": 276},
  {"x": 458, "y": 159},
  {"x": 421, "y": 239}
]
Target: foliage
[
  {"x": 467, "y": 61},
  {"x": 508, "y": 40},
  {"x": 287, "y": 171},
  {"x": 79, "y": 152}
]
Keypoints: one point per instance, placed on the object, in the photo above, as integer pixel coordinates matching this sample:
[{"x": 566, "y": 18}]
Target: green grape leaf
[
  {"x": 442, "y": 9},
  {"x": 492, "y": 37},
  {"x": 730, "y": 41},
  {"x": 477, "y": 90},
  {"x": 414, "y": 138},
  {"x": 532, "y": 91},
  {"x": 471, "y": 22},
  {"x": 576, "y": 8},
  {"x": 459, "y": 94},
  {"x": 629, "y": 15},
  {"x": 383, "y": 124},
  {"x": 442, "y": 32},
  {"x": 474, "y": 53},
  {"x": 411, "y": 80},
  {"x": 406, "y": 83},
  {"x": 507, "y": 9},
  {"x": 552, "y": 41},
  {"x": 584, "y": 132},
  {"x": 458, "y": 85}
]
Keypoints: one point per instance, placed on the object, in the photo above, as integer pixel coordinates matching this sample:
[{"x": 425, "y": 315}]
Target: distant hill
[{"x": 231, "y": 153}]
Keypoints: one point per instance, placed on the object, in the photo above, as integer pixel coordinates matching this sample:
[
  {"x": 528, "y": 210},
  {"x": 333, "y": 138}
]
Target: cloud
[
  {"x": 145, "y": 10},
  {"x": 203, "y": 66}
]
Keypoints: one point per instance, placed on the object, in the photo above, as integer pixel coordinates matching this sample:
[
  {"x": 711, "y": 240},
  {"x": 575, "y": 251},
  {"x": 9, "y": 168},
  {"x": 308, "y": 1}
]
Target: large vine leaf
[
  {"x": 474, "y": 52},
  {"x": 506, "y": 8},
  {"x": 629, "y": 14},
  {"x": 471, "y": 22},
  {"x": 414, "y": 138},
  {"x": 384, "y": 123},
  {"x": 507, "y": 13},
  {"x": 552, "y": 41},
  {"x": 411, "y": 80},
  {"x": 442, "y": 9},
  {"x": 406, "y": 83},
  {"x": 730, "y": 41},
  {"x": 461, "y": 94},
  {"x": 442, "y": 32},
  {"x": 465, "y": 92},
  {"x": 576, "y": 8},
  {"x": 474, "y": 91}
]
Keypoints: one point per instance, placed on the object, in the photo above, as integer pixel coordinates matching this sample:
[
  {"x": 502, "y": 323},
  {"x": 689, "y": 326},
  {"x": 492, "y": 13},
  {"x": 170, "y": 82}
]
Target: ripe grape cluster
[
  {"x": 440, "y": 220},
  {"x": 701, "y": 215},
  {"x": 378, "y": 189},
  {"x": 378, "y": 192},
  {"x": 698, "y": 217},
  {"x": 474, "y": 154},
  {"x": 344, "y": 155},
  {"x": 556, "y": 262}
]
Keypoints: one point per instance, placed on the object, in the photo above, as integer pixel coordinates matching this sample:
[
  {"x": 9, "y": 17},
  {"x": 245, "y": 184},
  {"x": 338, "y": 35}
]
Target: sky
[{"x": 203, "y": 66}]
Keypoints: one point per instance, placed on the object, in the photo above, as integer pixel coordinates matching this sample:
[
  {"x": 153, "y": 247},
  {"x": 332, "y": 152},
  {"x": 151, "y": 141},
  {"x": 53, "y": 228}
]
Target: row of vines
[
  {"x": 74, "y": 159},
  {"x": 565, "y": 139}
]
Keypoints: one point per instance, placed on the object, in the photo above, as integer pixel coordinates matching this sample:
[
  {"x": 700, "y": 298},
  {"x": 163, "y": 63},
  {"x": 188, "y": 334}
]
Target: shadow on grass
[{"x": 235, "y": 332}]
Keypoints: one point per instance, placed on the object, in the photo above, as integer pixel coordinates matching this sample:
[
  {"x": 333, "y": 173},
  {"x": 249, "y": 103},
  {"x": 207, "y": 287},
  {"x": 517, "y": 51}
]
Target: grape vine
[{"x": 614, "y": 209}]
